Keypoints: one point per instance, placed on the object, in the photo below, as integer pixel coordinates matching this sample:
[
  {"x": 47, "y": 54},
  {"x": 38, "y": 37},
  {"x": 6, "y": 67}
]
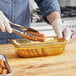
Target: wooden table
[{"x": 59, "y": 65}]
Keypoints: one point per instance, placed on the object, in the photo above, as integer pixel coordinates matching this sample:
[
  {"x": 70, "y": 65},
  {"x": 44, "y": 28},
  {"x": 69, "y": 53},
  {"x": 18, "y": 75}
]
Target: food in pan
[
  {"x": 3, "y": 67},
  {"x": 23, "y": 52}
]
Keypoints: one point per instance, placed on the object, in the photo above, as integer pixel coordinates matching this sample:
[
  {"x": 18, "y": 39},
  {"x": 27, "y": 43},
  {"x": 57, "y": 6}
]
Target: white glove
[
  {"x": 61, "y": 30},
  {"x": 4, "y": 23}
]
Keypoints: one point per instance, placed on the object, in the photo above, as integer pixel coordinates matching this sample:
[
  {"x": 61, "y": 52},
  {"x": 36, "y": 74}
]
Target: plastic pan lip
[
  {"x": 8, "y": 67},
  {"x": 58, "y": 43},
  {"x": 24, "y": 43}
]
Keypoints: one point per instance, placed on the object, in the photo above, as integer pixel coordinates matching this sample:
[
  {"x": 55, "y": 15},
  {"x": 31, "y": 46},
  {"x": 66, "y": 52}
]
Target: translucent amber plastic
[{"x": 52, "y": 46}]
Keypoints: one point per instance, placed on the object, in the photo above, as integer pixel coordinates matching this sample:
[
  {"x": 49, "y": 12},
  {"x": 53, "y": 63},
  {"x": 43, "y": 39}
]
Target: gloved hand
[
  {"x": 61, "y": 30},
  {"x": 4, "y": 23}
]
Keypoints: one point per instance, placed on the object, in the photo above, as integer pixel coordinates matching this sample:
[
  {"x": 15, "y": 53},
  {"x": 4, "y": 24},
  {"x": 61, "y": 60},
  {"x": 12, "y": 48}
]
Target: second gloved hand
[
  {"x": 4, "y": 23},
  {"x": 61, "y": 30}
]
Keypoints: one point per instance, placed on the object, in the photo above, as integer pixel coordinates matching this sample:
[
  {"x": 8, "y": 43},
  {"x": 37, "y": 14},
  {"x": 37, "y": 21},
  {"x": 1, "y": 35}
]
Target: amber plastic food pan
[{"x": 51, "y": 46}]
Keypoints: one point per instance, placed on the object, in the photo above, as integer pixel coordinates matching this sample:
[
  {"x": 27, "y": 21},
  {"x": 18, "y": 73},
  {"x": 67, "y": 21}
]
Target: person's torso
[{"x": 16, "y": 11}]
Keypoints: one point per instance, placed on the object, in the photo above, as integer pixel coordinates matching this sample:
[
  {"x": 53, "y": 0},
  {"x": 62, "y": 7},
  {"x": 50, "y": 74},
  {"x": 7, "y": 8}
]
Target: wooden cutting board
[{"x": 59, "y": 65}]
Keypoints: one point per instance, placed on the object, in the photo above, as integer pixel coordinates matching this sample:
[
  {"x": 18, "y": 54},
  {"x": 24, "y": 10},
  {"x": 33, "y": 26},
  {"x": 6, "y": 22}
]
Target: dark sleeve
[{"x": 48, "y": 6}]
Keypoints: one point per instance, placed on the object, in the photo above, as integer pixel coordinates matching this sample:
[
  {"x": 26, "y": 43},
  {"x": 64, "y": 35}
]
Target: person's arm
[
  {"x": 49, "y": 8},
  {"x": 51, "y": 11}
]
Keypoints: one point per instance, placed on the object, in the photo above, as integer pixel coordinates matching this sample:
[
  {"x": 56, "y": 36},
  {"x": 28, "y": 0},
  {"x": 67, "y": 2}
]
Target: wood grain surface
[{"x": 59, "y": 65}]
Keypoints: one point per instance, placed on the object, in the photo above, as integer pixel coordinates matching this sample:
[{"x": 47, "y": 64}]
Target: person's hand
[
  {"x": 4, "y": 23},
  {"x": 61, "y": 30}
]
